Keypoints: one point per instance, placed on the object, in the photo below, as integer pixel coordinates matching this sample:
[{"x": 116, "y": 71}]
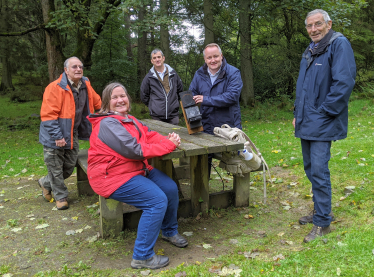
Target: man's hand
[
  {"x": 174, "y": 138},
  {"x": 293, "y": 122},
  {"x": 198, "y": 99},
  {"x": 60, "y": 142}
]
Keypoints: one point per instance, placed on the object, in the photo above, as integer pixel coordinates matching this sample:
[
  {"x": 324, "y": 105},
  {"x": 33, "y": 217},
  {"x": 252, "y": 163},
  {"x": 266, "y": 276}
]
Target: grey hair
[
  {"x": 212, "y": 45},
  {"x": 107, "y": 94},
  {"x": 325, "y": 15},
  {"x": 155, "y": 51},
  {"x": 66, "y": 63}
]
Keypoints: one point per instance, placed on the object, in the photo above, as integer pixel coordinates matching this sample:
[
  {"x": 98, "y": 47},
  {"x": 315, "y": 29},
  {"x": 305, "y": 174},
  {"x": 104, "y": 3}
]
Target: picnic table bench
[{"x": 196, "y": 147}]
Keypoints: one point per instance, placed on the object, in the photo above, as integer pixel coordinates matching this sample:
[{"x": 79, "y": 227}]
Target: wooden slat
[{"x": 199, "y": 138}]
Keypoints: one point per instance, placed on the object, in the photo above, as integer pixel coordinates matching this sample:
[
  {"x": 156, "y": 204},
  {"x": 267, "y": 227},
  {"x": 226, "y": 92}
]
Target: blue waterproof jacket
[
  {"x": 221, "y": 100},
  {"x": 325, "y": 83}
]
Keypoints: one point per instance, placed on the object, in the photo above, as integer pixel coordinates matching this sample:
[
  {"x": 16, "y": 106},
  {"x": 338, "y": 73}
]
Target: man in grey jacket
[{"x": 160, "y": 90}]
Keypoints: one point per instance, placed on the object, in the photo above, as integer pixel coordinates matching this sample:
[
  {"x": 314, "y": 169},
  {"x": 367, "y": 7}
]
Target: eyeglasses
[
  {"x": 77, "y": 66},
  {"x": 317, "y": 24}
]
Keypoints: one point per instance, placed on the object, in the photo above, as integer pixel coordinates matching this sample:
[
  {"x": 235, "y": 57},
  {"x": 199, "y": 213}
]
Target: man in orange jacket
[{"x": 66, "y": 103}]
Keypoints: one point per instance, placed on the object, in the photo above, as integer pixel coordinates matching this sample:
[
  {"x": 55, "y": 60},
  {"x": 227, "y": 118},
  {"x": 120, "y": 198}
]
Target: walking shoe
[
  {"x": 309, "y": 218},
  {"x": 317, "y": 231},
  {"x": 155, "y": 262},
  {"x": 177, "y": 240},
  {"x": 46, "y": 193},
  {"x": 62, "y": 204}
]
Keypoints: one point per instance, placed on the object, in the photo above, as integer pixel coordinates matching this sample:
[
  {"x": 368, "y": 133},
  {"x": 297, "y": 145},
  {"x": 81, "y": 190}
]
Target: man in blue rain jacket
[{"x": 326, "y": 79}]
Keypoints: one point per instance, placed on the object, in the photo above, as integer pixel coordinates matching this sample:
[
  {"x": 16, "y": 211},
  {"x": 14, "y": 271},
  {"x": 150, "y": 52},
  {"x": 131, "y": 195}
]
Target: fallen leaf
[
  {"x": 254, "y": 255},
  {"x": 198, "y": 263},
  {"x": 181, "y": 274},
  {"x": 207, "y": 246},
  {"x": 42, "y": 226},
  {"x": 79, "y": 231},
  {"x": 70, "y": 232},
  {"x": 278, "y": 257},
  {"x": 280, "y": 234},
  {"x": 289, "y": 242},
  {"x": 248, "y": 216},
  {"x": 145, "y": 272},
  {"x": 87, "y": 227},
  {"x": 74, "y": 218},
  {"x": 92, "y": 239},
  {"x": 15, "y": 230},
  {"x": 24, "y": 170},
  {"x": 30, "y": 215},
  {"x": 234, "y": 241},
  {"x": 160, "y": 252},
  {"x": 338, "y": 271}
]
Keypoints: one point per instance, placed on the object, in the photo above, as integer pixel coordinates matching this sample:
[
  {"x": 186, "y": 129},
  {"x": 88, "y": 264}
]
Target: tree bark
[
  {"x": 6, "y": 80},
  {"x": 208, "y": 22},
  {"x": 164, "y": 31},
  {"x": 128, "y": 35},
  {"x": 55, "y": 55},
  {"x": 142, "y": 46},
  {"x": 245, "y": 22}
]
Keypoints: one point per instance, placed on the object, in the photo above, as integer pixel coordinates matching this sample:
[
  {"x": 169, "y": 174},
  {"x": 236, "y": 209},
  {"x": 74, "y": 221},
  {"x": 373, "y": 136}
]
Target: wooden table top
[{"x": 194, "y": 144}]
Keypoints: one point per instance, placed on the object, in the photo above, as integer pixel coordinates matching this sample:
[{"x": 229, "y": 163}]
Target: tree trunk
[
  {"x": 55, "y": 55},
  {"x": 208, "y": 22},
  {"x": 142, "y": 46},
  {"x": 128, "y": 35},
  {"x": 245, "y": 23},
  {"x": 6, "y": 80},
  {"x": 164, "y": 31}
]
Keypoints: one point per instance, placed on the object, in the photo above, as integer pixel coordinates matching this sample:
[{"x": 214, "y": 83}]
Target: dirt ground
[{"x": 36, "y": 237}]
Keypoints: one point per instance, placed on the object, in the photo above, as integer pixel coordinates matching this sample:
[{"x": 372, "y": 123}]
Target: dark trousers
[
  {"x": 174, "y": 120},
  {"x": 316, "y": 156}
]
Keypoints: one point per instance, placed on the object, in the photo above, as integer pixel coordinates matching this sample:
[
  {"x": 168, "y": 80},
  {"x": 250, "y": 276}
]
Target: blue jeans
[
  {"x": 316, "y": 156},
  {"x": 157, "y": 196}
]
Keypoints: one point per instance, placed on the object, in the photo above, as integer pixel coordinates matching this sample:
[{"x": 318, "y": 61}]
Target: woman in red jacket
[{"x": 120, "y": 146}]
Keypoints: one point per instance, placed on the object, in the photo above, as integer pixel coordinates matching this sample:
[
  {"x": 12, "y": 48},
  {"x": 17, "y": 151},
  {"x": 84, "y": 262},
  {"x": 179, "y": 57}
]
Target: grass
[{"x": 347, "y": 251}]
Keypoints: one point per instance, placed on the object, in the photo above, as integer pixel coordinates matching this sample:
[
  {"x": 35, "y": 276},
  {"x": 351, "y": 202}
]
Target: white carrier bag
[{"x": 236, "y": 163}]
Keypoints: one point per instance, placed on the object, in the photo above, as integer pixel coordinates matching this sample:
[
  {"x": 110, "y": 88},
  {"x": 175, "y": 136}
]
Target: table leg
[
  {"x": 199, "y": 184},
  {"x": 241, "y": 190}
]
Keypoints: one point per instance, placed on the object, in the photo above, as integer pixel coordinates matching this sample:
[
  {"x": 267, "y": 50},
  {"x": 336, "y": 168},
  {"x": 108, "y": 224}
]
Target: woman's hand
[{"x": 175, "y": 138}]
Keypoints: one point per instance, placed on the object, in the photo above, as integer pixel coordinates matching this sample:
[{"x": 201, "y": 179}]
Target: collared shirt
[
  {"x": 161, "y": 74},
  {"x": 213, "y": 77},
  {"x": 76, "y": 86},
  {"x": 313, "y": 46}
]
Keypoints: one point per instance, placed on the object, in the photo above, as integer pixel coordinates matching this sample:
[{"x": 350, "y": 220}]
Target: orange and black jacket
[{"x": 58, "y": 113}]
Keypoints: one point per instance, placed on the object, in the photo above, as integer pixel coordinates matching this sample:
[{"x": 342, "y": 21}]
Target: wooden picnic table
[{"x": 196, "y": 147}]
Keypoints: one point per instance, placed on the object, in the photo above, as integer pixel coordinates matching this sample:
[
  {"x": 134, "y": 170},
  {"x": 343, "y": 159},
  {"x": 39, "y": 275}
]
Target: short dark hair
[{"x": 107, "y": 94}]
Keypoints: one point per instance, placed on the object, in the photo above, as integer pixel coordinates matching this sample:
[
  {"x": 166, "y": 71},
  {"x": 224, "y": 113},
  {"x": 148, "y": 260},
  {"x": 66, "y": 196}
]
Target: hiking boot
[
  {"x": 317, "y": 231},
  {"x": 309, "y": 218},
  {"x": 177, "y": 240},
  {"x": 46, "y": 193},
  {"x": 155, "y": 262},
  {"x": 62, "y": 204}
]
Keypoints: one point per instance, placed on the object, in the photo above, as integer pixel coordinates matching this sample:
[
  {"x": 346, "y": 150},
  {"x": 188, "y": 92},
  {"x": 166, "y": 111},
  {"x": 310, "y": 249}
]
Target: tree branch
[{"x": 21, "y": 33}]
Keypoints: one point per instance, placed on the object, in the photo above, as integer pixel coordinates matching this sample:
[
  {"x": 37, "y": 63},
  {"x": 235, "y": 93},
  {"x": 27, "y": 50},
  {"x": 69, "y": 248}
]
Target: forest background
[{"x": 114, "y": 38}]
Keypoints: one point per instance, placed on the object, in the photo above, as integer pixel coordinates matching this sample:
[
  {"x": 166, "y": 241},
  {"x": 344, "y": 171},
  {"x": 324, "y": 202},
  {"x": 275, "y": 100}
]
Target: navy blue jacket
[
  {"x": 325, "y": 83},
  {"x": 221, "y": 100}
]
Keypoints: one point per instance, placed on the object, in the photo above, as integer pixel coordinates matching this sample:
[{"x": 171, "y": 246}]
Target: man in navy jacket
[
  {"x": 217, "y": 86},
  {"x": 326, "y": 79}
]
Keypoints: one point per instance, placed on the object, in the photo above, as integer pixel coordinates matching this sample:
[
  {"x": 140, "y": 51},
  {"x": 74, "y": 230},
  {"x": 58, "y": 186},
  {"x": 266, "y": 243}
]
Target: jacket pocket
[{"x": 316, "y": 124}]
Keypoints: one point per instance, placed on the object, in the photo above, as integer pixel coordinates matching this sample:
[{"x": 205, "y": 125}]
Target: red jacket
[{"x": 119, "y": 149}]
